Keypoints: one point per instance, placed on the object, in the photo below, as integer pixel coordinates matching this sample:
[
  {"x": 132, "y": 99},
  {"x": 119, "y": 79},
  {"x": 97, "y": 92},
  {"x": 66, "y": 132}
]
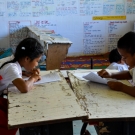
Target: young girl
[
  {"x": 27, "y": 55},
  {"x": 126, "y": 48}
]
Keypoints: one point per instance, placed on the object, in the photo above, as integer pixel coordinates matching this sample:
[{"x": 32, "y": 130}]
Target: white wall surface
[{"x": 70, "y": 18}]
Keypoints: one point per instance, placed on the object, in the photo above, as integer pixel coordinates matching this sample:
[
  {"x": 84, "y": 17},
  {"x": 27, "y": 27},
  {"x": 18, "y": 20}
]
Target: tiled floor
[
  {"x": 77, "y": 125},
  {"x": 17, "y": 133},
  {"x": 77, "y": 128}
]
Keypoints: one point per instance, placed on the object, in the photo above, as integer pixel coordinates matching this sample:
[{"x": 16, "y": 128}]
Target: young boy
[
  {"x": 126, "y": 48},
  {"x": 116, "y": 61}
]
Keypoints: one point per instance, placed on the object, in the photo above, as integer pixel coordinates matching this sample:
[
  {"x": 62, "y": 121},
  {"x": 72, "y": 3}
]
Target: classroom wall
[{"x": 73, "y": 19}]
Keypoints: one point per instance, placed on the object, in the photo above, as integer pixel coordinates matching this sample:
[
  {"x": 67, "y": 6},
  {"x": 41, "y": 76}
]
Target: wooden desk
[
  {"x": 55, "y": 55},
  {"x": 45, "y": 104},
  {"x": 101, "y": 103},
  {"x": 55, "y": 50}
]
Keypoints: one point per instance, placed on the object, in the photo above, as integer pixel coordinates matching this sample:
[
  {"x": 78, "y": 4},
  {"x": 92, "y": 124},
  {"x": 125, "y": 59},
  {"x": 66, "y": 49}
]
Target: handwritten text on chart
[
  {"x": 130, "y": 7},
  {"x": 108, "y": 9},
  {"x": 94, "y": 45},
  {"x": 112, "y": 43},
  {"x": 39, "y": 8},
  {"x": 94, "y": 41},
  {"x": 111, "y": 47},
  {"x": 94, "y": 27},
  {"x": 44, "y": 24},
  {"x": 115, "y": 31},
  {"x": 90, "y": 8},
  {"x": 2, "y": 8},
  {"x": 116, "y": 26}
]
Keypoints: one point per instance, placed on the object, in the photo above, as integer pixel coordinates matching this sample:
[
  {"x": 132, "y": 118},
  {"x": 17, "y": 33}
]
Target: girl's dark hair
[
  {"x": 127, "y": 42},
  {"x": 29, "y": 47},
  {"x": 114, "y": 56}
]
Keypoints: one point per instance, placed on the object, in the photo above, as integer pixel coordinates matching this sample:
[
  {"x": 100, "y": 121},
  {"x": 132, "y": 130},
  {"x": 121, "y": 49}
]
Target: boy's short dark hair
[
  {"x": 114, "y": 56},
  {"x": 127, "y": 42}
]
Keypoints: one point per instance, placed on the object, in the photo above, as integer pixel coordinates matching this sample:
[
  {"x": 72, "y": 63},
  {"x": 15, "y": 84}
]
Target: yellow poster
[{"x": 109, "y": 18}]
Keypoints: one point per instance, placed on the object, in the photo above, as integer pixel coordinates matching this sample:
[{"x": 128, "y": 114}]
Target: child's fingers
[
  {"x": 102, "y": 73},
  {"x": 36, "y": 77},
  {"x": 36, "y": 71},
  {"x": 39, "y": 77},
  {"x": 28, "y": 74}
]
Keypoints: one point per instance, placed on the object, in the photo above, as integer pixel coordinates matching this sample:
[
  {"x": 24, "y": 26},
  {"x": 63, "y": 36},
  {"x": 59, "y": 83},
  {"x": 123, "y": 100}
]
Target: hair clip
[{"x": 23, "y": 48}]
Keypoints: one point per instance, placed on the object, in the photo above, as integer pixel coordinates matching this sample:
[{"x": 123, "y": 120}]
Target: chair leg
[
  {"x": 97, "y": 129},
  {"x": 84, "y": 126},
  {"x": 91, "y": 63}
]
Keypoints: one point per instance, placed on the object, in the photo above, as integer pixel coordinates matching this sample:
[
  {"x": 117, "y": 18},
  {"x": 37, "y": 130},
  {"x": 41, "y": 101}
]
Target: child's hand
[
  {"x": 36, "y": 71},
  {"x": 103, "y": 73},
  {"x": 115, "y": 85},
  {"x": 36, "y": 77},
  {"x": 25, "y": 73}
]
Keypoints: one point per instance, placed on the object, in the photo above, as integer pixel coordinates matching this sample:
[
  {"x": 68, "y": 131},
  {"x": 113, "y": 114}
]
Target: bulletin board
[{"x": 94, "y": 26}]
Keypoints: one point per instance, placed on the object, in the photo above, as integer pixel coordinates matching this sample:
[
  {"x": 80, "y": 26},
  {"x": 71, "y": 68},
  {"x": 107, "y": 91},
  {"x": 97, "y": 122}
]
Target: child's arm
[
  {"x": 25, "y": 73},
  {"x": 25, "y": 86},
  {"x": 118, "y": 86},
  {"x": 123, "y": 75},
  {"x": 28, "y": 74},
  {"x": 36, "y": 71}
]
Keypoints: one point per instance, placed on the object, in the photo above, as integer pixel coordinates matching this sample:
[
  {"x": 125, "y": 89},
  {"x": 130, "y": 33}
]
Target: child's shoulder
[
  {"x": 132, "y": 70},
  {"x": 122, "y": 67},
  {"x": 113, "y": 65},
  {"x": 9, "y": 65},
  {"x": 118, "y": 66}
]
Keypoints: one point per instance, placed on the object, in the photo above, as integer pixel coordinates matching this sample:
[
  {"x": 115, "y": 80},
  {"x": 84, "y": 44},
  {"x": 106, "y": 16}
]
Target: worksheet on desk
[
  {"x": 80, "y": 75},
  {"x": 94, "y": 77},
  {"x": 51, "y": 77}
]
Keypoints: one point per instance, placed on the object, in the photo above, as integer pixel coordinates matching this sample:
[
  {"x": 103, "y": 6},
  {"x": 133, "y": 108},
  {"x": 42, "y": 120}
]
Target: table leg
[{"x": 83, "y": 129}]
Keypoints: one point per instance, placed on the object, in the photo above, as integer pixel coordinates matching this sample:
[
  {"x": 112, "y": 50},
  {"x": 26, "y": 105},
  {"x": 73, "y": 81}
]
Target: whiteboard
[{"x": 72, "y": 19}]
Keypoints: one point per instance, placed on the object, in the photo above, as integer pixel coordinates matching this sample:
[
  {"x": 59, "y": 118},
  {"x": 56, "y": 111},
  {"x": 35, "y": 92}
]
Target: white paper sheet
[
  {"x": 94, "y": 77},
  {"x": 51, "y": 77},
  {"x": 80, "y": 75}
]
